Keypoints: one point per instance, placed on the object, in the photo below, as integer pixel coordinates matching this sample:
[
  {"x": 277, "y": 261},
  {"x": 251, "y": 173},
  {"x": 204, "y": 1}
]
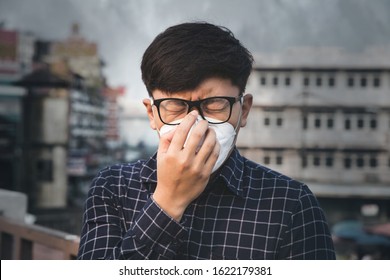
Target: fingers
[
  {"x": 209, "y": 151},
  {"x": 210, "y": 140},
  {"x": 196, "y": 137},
  {"x": 182, "y": 130},
  {"x": 165, "y": 141}
]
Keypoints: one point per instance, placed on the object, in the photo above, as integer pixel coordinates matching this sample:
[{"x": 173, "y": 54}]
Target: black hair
[{"x": 184, "y": 55}]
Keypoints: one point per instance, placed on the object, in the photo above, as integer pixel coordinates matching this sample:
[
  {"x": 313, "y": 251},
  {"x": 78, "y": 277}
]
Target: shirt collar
[{"x": 231, "y": 172}]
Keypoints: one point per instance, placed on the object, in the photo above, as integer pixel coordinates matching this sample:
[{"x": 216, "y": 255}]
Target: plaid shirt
[{"x": 247, "y": 212}]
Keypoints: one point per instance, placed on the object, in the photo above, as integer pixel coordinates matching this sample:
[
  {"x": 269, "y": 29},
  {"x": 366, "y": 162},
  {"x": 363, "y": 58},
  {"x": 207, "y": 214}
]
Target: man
[{"x": 198, "y": 198}]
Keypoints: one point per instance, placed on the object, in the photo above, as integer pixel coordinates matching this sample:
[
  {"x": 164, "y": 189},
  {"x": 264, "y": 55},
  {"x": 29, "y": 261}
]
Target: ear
[
  {"x": 246, "y": 107},
  {"x": 149, "y": 110}
]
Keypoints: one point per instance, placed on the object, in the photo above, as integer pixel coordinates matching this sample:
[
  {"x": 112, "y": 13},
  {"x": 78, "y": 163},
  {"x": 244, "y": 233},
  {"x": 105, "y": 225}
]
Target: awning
[{"x": 350, "y": 191}]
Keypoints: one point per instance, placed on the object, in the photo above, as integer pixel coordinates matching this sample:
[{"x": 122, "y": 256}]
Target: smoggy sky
[{"x": 124, "y": 28}]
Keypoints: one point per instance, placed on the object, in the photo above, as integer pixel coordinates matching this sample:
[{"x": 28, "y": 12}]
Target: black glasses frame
[{"x": 196, "y": 104}]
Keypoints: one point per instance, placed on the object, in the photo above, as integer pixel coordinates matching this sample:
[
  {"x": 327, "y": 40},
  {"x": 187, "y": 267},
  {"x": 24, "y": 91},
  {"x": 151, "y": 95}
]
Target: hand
[{"x": 183, "y": 172}]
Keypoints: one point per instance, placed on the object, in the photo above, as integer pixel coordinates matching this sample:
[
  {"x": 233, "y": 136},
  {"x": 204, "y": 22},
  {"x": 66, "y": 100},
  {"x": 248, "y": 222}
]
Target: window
[
  {"x": 350, "y": 81},
  {"x": 360, "y": 122},
  {"x": 266, "y": 121},
  {"x": 316, "y": 160},
  {"x": 319, "y": 81},
  {"x": 304, "y": 122},
  {"x": 44, "y": 170},
  {"x": 275, "y": 81},
  {"x": 267, "y": 160},
  {"x": 330, "y": 122},
  {"x": 263, "y": 81},
  {"x": 317, "y": 122},
  {"x": 377, "y": 82},
  {"x": 363, "y": 82},
  {"x": 347, "y": 162},
  {"x": 373, "y": 162},
  {"x": 279, "y": 121},
  {"x": 373, "y": 123},
  {"x": 331, "y": 81},
  {"x": 360, "y": 161},
  {"x": 347, "y": 124},
  {"x": 279, "y": 160},
  {"x": 287, "y": 81},
  {"x": 306, "y": 81},
  {"x": 329, "y": 161}
]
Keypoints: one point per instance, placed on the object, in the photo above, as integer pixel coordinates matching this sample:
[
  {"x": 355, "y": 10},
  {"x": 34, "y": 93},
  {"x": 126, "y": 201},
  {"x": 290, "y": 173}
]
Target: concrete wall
[
  {"x": 13, "y": 204},
  {"x": 275, "y": 127}
]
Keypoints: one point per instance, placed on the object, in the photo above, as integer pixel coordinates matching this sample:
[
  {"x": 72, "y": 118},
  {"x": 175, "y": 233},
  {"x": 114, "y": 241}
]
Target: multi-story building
[
  {"x": 45, "y": 138},
  {"x": 16, "y": 54},
  {"x": 81, "y": 56},
  {"x": 90, "y": 110},
  {"x": 57, "y": 120},
  {"x": 114, "y": 110},
  {"x": 327, "y": 124},
  {"x": 16, "y": 51},
  {"x": 65, "y": 117}
]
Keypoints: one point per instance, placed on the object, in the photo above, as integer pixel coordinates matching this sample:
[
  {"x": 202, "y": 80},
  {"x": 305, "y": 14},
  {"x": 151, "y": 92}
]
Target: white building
[{"x": 324, "y": 120}]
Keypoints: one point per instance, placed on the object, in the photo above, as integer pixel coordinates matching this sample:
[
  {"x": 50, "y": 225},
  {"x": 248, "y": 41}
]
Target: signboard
[{"x": 8, "y": 52}]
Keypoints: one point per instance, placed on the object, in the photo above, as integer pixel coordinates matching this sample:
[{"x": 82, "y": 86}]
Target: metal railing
[{"x": 21, "y": 241}]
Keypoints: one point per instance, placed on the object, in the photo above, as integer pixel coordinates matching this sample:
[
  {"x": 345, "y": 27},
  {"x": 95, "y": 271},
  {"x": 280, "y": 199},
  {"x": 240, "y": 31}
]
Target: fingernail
[{"x": 194, "y": 113}]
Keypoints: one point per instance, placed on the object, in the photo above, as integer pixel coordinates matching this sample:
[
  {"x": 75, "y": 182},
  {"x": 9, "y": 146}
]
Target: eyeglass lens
[{"x": 216, "y": 108}]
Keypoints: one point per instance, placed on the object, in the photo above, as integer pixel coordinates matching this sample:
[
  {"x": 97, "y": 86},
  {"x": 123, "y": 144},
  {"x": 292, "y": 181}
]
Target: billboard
[{"x": 8, "y": 52}]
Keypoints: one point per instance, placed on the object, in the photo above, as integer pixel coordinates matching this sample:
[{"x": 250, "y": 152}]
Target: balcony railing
[{"x": 21, "y": 241}]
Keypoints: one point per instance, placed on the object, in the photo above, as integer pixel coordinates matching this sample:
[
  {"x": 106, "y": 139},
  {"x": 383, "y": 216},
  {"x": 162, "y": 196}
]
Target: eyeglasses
[{"x": 219, "y": 108}]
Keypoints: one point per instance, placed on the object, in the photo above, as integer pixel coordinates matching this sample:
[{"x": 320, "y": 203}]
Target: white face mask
[{"x": 225, "y": 132}]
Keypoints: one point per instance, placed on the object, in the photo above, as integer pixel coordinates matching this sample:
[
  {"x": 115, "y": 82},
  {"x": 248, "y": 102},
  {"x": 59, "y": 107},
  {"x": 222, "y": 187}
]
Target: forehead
[{"x": 208, "y": 88}]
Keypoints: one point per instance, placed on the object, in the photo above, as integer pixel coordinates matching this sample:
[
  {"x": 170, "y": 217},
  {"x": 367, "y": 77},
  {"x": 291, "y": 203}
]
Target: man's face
[{"x": 212, "y": 87}]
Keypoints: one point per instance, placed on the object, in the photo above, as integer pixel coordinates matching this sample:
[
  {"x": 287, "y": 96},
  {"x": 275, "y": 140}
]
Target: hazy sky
[{"x": 124, "y": 28}]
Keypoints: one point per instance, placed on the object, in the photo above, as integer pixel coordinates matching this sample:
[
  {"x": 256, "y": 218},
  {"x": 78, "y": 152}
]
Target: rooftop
[
  {"x": 325, "y": 57},
  {"x": 350, "y": 191}
]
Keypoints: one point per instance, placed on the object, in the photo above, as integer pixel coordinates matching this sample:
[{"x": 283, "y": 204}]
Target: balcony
[{"x": 22, "y": 241}]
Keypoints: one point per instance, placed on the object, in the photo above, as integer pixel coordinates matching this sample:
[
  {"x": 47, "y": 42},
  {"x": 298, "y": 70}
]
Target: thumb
[{"x": 165, "y": 140}]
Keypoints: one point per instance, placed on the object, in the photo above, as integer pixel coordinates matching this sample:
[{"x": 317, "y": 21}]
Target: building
[
  {"x": 11, "y": 137},
  {"x": 58, "y": 124},
  {"x": 325, "y": 122},
  {"x": 16, "y": 52},
  {"x": 45, "y": 138},
  {"x": 81, "y": 55},
  {"x": 114, "y": 110},
  {"x": 90, "y": 109}
]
